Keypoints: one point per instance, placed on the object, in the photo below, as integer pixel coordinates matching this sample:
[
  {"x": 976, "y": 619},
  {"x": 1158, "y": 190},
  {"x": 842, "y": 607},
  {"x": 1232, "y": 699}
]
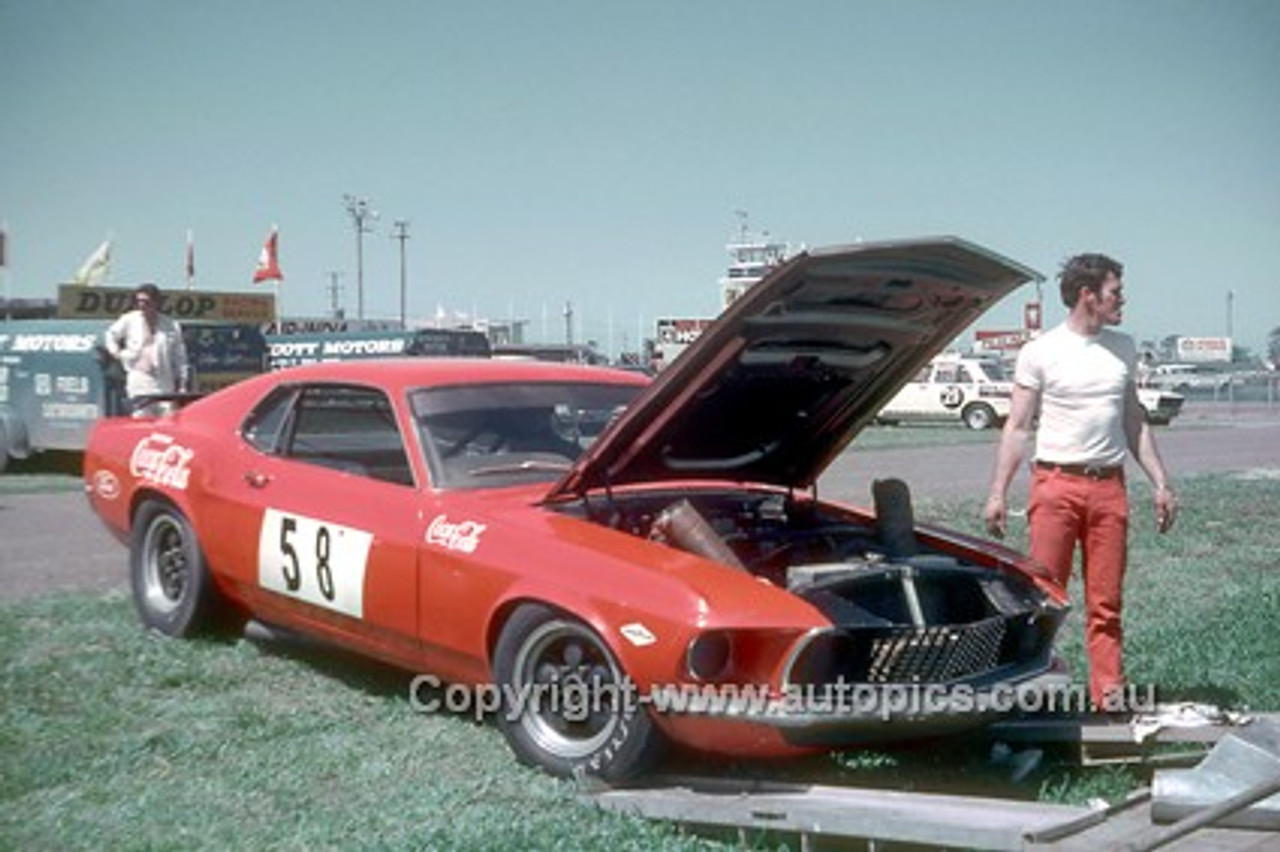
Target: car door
[
  {"x": 326, "y": 517},
  {"x": 950, "y": 387}
]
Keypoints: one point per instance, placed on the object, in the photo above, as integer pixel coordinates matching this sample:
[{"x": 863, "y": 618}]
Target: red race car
[{"x": 610, "y": 564}]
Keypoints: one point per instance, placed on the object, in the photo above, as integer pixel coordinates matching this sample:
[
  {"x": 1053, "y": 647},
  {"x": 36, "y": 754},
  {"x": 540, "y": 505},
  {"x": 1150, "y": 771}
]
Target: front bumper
[{"x": 841, "y": 714}]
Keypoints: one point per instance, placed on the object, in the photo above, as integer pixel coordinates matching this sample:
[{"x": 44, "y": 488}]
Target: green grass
[
  {"x": 876, "y": 437},
  {"x": 1201, "y": 608},
  {"x": 114, "y": 738}
]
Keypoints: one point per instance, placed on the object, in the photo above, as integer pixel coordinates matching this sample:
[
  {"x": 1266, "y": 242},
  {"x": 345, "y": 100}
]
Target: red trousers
[{"x": 1066, "y": 509}]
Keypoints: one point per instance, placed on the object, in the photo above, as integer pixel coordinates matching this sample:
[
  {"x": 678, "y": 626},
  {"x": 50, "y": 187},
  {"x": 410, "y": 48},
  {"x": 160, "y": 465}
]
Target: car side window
[
  {"x": 923, "y": 375},
  {"x": 947, "y": 373},
  {"x": 265, "y": 427},
  {"x": 348, "y": 428}
]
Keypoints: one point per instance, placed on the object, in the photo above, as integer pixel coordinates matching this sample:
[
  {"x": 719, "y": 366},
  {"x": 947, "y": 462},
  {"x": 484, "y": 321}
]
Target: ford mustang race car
[{"x": 625, "y": 563}]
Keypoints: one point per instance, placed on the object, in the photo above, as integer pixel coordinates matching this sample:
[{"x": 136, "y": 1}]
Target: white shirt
[
  {"x": 154, "y": 361},
  {"x": 1083, "y": 381}
]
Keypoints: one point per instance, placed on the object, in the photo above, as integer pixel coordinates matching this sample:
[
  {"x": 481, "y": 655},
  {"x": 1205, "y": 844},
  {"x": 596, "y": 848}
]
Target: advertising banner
[
  {"x": 1204, "y": 350},
  {"x": 107, "y": 303}
]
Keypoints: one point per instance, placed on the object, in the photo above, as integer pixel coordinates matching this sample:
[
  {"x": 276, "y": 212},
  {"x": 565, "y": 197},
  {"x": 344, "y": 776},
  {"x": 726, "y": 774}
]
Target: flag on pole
[
  {"x": 191, "y": 260},
  {"x": 96, "y": 267},
  {"x": 269, "y": 260}
]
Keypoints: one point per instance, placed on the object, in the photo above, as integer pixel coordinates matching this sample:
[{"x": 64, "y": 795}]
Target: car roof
[{"x": 409, "y": 372}]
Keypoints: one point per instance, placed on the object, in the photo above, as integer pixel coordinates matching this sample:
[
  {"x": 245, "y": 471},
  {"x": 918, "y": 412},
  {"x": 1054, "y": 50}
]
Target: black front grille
[
  {"x": 935, "y": 654},
  {"x": 938, "y": 654}
]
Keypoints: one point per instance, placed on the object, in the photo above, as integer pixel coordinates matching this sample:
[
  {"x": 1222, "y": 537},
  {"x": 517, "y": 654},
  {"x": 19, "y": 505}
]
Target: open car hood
[{"x": 790, "y": 373}]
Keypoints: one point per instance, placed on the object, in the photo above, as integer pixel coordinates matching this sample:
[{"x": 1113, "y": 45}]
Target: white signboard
[{"x": 1201, "y": 350}]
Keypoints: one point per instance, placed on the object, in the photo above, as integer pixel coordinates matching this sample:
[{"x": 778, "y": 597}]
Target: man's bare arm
[
  {"x": 1015, "y": 438},
  {"x": 1142, "y": 444}
]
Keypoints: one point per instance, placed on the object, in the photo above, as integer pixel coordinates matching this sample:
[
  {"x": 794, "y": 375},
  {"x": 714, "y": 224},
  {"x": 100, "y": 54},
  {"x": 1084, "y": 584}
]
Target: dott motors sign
[{"x": 79, "y": 302}]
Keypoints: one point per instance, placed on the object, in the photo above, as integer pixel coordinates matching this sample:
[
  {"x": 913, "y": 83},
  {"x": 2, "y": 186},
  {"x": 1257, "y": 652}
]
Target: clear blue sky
[{"x": 595, "y": 151}]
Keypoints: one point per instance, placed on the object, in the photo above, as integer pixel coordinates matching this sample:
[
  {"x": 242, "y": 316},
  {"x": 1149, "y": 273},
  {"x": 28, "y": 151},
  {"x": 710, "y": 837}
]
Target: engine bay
[{"x": 860, "y": 570}]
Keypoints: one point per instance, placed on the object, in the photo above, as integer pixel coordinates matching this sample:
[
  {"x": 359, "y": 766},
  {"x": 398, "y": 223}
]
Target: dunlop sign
[{"x": 78, "y": 302}]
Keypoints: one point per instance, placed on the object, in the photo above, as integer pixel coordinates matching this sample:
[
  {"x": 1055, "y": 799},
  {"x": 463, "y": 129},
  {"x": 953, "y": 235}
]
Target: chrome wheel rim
[
  {"x": 569, "y": 689},
  {"x": 166, "y": 571}
]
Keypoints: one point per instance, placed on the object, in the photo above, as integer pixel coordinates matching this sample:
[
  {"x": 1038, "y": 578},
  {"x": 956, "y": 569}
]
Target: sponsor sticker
[
  {"x": 161, "y": 460},
  {"x": 462, "y": 536},
  {"x": 637, "y": 634},
  {"x": 106, "y": 485}
]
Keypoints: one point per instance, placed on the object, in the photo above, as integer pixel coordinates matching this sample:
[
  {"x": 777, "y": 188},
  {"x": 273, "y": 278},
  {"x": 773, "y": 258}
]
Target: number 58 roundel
[{"x": 315, "y": 561}]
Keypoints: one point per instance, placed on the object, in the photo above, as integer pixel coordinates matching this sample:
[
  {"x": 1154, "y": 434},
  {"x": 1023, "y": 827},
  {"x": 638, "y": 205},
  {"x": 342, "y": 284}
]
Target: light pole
[
  {"x": 361, "y": 215},
  {"x": 401, "y": 234},
  {"x": 334, "y": 289}
]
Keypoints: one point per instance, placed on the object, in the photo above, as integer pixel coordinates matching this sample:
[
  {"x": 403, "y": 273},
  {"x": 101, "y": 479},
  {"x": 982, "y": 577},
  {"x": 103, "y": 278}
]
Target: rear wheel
[
  {"x": 172, "y": 589},
  {"x": 979, "y": 416},
  {"x": 568, "y": 706}
]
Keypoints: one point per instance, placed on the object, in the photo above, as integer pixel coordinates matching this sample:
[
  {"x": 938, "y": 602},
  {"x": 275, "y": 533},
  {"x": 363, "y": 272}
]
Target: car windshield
[{"x": 478, "y": 436}]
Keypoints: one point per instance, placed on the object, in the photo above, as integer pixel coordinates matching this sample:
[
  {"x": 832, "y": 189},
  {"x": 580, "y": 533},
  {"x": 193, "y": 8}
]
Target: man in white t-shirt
[{"x": 1078, "y": 379}]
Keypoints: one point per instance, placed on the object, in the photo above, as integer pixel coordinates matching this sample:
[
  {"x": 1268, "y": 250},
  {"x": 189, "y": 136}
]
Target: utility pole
[
  {"x": 402, "y": 235},
  {"x": 568, "y": 323},
  {"x": 334, "y": 288},
  {"x": 361, "y": 215}
]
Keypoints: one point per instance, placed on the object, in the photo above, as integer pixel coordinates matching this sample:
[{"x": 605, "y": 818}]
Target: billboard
[
  {"x": 1204, "y": 350},
  {"x": 990, "y": 341},
  {"x": 673, "y": 335},
  {"x": 107, "y": 303}
]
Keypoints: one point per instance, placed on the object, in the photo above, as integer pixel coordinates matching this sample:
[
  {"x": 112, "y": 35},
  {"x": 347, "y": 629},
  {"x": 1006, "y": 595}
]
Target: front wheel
[
  {"x": 172, "y": 589},
  {"x": 569, "y": 706},
  {"x": 979, "y": 416}
]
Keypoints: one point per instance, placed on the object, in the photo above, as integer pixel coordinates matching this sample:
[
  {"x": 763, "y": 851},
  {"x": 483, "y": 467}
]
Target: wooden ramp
[{"x": 819, "y": 813}]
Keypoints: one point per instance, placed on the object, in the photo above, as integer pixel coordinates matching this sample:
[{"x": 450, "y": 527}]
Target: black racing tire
[
  {"x": 580, "y": 714},
  {"x": 172, "y": 589},
  {"x": 979, "y": 416}
]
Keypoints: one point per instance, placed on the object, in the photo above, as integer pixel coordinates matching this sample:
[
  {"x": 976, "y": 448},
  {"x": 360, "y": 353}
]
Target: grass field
[{"x": 114, "y": 738}]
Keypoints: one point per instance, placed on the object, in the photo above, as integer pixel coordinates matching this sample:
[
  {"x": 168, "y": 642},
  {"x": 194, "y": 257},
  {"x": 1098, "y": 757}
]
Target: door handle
[{"x": 256, "y": 479}]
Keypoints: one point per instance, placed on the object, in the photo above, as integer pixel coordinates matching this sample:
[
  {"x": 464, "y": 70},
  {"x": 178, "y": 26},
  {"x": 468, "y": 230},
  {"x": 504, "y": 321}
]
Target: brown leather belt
[{"x": 1091, "y": 471}]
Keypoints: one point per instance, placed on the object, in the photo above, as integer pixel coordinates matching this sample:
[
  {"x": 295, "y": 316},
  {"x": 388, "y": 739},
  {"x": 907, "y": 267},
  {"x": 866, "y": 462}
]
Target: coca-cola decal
[
  {"x": 462, "y": 536},
  {"x": 159, "y": 460}
]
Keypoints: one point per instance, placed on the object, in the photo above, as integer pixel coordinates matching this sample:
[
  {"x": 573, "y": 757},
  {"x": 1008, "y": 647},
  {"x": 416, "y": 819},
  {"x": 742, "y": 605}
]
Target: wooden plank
[
  {"x": 1126, "y": 826},
  {"x": 1098, "y": 729},
  {"x": 888, "y": 815}
]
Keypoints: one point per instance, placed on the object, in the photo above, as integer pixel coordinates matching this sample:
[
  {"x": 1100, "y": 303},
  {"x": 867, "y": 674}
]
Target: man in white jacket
[{"x": 149, "y": 346}]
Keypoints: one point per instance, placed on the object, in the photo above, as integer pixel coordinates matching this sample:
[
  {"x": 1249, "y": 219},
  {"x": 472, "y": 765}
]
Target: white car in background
[
  {"x": 976, "y": 391},
  {"x": 1161, "y": 405},
  {"x": 1181, "y": 378},
  {"x": 970, "y": 390}
]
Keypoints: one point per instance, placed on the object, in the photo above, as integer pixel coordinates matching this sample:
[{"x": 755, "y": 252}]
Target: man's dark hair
[
  {"x": 149, "y": 290},
  {"x": 1086, "y": 270}
]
